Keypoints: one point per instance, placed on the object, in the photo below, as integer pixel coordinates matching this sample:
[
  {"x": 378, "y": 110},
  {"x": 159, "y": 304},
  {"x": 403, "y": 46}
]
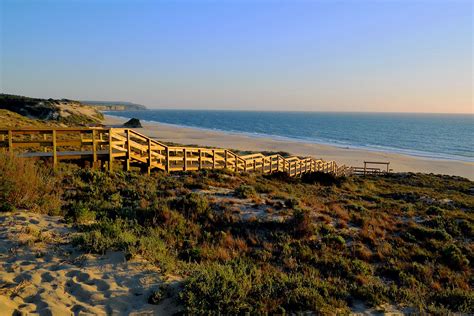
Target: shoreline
[
  {"x": 371, "y": 148},
  {"x": 342, "y": 155}
]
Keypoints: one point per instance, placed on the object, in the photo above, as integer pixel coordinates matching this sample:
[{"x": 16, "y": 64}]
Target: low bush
[
  {"x": 222, "y": 289},
  {"x": 80, "y": 213},
  {"x": 292, "y": 203},
  {"x": 25, "y": 184},
  {"x": 454, "y": 258},
  {"x": 193, "y": 206},
  {"x": 245, "y": 192},
  {"x": 109, "y": 234},
  {"x": 301, "y": 224},
  {"x": 238, "y": 287}
]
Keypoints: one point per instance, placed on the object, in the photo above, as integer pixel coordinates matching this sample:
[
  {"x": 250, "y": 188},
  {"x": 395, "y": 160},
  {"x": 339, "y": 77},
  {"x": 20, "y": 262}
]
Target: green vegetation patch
[{"x": 319, "y": 246}]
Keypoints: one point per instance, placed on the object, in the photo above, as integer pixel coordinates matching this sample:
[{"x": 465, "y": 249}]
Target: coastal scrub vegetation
[{"x": 268, "y": 243}]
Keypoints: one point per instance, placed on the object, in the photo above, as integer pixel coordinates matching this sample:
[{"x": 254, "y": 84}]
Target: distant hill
[
  {"x": 68, "y": 112},
  {"x": 114, "y": 105}
]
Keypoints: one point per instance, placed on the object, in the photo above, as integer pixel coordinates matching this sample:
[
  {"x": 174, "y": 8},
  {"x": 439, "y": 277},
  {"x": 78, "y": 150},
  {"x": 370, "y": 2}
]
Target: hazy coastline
[{"x": 345, "y": 155}]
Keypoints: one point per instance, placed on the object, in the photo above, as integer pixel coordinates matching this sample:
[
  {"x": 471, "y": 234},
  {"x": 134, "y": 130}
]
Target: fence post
[
  {"x": 236, "y": 162},
  {"x": 185, "y": 162},
  {"x": 55, "y": 154},
  {"x": 149, "y": 156},
  {"x": 200, "y": 158},
  {"x": 94, "y": 149},
  {"x": 127, "y": 154},
  {"x": 225, "y": 158},
  {"x": 111, "y": 158},
  {"x": 167, "y": 159},
  {"x": 213, "y": 159},
  {"x": 10, "y": 142}
]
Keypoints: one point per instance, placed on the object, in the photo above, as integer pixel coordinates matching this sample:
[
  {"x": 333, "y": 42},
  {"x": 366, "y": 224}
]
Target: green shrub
[
  {"x": 336, "y": 240},
  {"x": 373, "y": 292},
  {"x": 456, "y": 300},
  {"x": 292, "y": 203},
  {"x": 109, "y": 234},
  {"x": 434, "y": 210},
  {"x": 422, "y": 233},
  {"x": 301, "y": 224},
  {"x": 80, "y": 213},
  {"x": 262, "y": 188},
  {"x": 454, "y": 258},
  {"x": 216, "y": 288},
  {"x": 245, "y": 192},
  {"x": 357, "y": 207},
  {"x": 466, "y": 228},
  {"x": 193, "y": 206},
  {"x": 158, "y": 295},
  {"x": 151, "y": 247}
]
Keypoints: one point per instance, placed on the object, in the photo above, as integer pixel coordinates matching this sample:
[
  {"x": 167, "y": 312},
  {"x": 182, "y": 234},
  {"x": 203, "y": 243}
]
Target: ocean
[{"x": 438, "y": 136}]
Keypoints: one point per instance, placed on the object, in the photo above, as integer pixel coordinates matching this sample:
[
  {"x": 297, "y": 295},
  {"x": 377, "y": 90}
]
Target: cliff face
[
  {"x": 64, "y": 111},
  {"x": 114, "y": 105}
]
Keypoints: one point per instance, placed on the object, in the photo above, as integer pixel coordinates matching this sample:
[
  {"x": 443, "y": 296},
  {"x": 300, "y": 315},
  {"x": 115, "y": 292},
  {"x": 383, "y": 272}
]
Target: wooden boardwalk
[{"x": 113, "y": 147}]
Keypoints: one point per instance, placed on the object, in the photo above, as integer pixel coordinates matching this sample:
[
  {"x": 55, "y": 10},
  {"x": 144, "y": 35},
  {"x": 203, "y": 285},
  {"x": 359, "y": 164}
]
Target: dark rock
[{"x": 134, "y": 122}]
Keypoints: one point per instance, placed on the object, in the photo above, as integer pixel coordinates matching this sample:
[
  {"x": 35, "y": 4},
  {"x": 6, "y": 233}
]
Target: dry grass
[
  {"x": 25, "y": 184},
  {"x": 10, "y": 119}
]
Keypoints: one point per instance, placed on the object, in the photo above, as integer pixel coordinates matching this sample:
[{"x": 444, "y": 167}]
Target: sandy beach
[
  {"x": 348, "y": 156},
  {"x": 41, "y": 272}
]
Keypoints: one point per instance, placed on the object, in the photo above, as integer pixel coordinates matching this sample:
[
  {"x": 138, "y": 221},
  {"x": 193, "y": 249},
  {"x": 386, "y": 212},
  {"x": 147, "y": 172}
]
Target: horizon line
[{"x": 289, "y": 111}]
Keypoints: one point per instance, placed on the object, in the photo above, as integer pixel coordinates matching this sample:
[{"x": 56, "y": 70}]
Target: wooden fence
[{"x": 107, "y": 147}]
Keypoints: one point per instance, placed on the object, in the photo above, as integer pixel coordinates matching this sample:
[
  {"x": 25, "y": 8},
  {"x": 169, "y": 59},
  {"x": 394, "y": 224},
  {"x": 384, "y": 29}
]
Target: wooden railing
[
  {"x": 372, "y": 170},
  {"x": 105, "y": 147}
]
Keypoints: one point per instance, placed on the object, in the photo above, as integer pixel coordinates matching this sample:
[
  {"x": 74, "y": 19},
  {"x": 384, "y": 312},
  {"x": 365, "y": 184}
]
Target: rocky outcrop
[{"x": 133, "y": 123}]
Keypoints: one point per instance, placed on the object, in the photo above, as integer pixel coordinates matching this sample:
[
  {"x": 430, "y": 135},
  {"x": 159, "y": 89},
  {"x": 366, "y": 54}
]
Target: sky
[{"x": 327, "y": 55}]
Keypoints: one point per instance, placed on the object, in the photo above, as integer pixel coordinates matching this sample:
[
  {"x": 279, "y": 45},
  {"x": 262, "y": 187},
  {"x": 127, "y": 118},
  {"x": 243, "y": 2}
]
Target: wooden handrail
[{"x": 132, "y": 147}]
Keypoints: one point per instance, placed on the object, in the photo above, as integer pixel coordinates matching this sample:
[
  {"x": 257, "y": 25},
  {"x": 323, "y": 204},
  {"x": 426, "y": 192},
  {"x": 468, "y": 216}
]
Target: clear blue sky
[{"x": 262, "y": 55}]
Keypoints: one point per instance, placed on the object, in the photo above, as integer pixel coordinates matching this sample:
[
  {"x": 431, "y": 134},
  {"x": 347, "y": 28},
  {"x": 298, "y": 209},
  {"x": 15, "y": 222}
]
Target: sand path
[{"x": 41, "y": 272}]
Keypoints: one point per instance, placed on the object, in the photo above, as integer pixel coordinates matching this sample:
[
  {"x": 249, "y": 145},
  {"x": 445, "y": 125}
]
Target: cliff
[{"x": 115, "y": 105}]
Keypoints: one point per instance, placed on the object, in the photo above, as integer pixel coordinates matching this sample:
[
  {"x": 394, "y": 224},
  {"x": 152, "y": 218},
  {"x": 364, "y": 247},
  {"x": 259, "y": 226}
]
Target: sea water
[{"x": 442, "y": 136}]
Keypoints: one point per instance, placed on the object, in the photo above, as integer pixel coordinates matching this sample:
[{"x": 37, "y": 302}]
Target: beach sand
[
  {"x": 348, "y": 156},
  {"x": 41, "y": 272}
]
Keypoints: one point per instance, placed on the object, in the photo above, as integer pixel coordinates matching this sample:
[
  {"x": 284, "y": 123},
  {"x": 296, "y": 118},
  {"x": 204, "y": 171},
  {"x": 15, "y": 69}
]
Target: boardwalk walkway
[{"x": 113, "y": 147}]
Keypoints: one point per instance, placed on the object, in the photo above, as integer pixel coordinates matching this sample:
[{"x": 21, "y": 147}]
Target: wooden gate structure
[{"x": 108, "y": 147}]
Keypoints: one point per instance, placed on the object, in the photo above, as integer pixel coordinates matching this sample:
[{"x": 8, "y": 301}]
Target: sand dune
[{"x": 41, "y": 272}]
